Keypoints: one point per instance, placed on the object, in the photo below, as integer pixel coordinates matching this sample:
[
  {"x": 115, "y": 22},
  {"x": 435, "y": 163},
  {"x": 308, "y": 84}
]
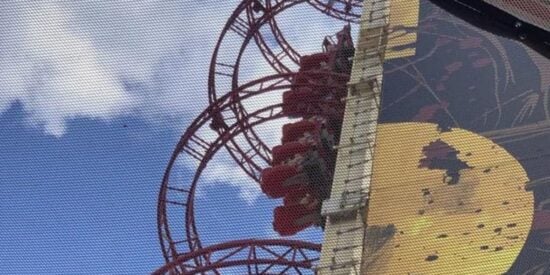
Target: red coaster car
[
  {"x": 289, "y": 220},
  {"x": 274, "y": 179},
  {"x": 316, "y": 61},
  {"x": 302, "y": 103},
  {"x": 289, "y": 152},
  {"x": 314, "y": 127}
]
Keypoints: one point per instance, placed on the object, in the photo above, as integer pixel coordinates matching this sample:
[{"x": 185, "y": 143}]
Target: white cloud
[
  {"x": 306, "y": 38},
  {"x": 56, "y": 74},
  {"x": 63, "y": 60},
  {"x": 220, "y": 170},
  {"x": 76, "y": 59}
]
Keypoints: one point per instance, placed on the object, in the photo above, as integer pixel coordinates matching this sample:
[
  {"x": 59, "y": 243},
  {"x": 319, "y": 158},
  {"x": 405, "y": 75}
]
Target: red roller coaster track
[
  {"x": 227, "y": 122},
  {"x": 260, "y": 257},
  {"x": 226, "y": 115}
]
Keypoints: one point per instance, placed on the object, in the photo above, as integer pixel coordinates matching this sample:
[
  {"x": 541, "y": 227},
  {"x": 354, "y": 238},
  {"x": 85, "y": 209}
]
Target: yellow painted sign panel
[
  {"x": 444, "y": 203},
  {"x": 403, "y": 28}
]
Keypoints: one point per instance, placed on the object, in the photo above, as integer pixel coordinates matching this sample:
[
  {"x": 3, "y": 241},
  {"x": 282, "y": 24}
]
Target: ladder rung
[
  {"x": 176, "y": 203},
  {"x": 336, "y": 249},
  {"x": 178, "y": 242},
  {"x": 358, "y": 150},
  {"x": 380, "y": 9},
  {"x": 382, "y": 24},
  {"x": 366, "y": 122},
  {"x": 358, "y": 178},
  {"x": 360, "y": 191},
  {"x": 358, "y": 197},
  {"x": 383, "y": 31},
  {"x": 353, "y": 229},
  {"x": 359, "y": 98},
  {"x": 338, "y": 147},
  {"x": 177, "y": 189},
  {"x": 336, "y": 266},
  {"x": 361, "y": 137},
  {"x": 366, "y": 134},
  {"x": 358, "y": 163},
  {"x": 355, "y": 142},
  {"x": 372, "y": 52}
]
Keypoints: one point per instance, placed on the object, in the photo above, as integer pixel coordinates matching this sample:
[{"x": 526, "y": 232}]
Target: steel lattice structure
[
  {"x": 260, "y": 257},
  {"x": 229, "y": 124},
  {"x": 227, "y": 116}
]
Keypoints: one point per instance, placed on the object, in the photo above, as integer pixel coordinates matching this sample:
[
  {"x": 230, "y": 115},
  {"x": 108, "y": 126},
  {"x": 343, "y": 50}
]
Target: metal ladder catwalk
[{"x": 345, "y": 210}]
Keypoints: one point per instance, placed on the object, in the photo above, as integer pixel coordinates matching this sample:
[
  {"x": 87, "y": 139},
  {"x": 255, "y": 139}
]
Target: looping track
[
  {"x": 233, "y": 127},
  {"x": 260, "y": 257}
]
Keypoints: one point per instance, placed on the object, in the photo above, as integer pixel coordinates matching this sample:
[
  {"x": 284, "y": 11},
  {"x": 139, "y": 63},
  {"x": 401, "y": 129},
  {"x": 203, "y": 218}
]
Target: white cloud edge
[{"x": 67, "y": 61}]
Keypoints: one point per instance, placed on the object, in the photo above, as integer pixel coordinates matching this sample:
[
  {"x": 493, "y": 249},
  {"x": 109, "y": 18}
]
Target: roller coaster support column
[
  {"x": 345, "y": 210},
  {"x": 380, "y": 38}
]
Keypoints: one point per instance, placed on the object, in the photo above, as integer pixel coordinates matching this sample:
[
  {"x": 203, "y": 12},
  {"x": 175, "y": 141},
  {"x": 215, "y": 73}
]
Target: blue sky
[{"x": 78, "y": 189}]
